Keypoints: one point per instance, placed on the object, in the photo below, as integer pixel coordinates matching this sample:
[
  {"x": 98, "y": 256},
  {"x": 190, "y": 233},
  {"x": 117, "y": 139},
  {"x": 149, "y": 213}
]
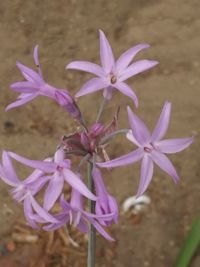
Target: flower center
[
  {"x": 59, "y": 168},
  {"x": 148, "y": 148},
  {"x": 113, "y": 79}
]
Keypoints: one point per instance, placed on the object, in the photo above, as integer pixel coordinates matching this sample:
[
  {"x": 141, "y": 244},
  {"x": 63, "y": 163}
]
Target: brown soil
[{"x": 67, "y": 30}]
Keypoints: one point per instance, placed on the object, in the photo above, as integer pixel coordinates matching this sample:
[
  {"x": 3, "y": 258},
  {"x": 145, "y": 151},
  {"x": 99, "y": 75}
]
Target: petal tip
[
  {"x": 9, "y": 107},
  {"x": 68, "y": 66}
]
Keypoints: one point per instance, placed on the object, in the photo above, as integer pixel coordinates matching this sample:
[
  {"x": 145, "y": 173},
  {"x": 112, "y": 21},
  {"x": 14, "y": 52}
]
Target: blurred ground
[{"x": 67, "y": 30}]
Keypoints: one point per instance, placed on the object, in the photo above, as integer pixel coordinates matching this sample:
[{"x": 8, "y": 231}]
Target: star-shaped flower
[
  {"x": 35, "y": 85},
  {"x": 58, "y": 172},
  {"x": 112, "y": 74},
  {"x": 151, "y": 149},
  {"x": 73, "y": 213},
  {"x": 24, "y": 191}
]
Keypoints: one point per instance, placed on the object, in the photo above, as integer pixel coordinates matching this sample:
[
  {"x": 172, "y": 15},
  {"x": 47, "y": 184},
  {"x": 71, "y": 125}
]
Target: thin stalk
[
  {"x": 91, "y": 204},
  {"x": 110, "y": 136},
  {"x": 103, "y": 103},
  {"x": 92, "y": 231},
  {"x": 83, "y": 160}
]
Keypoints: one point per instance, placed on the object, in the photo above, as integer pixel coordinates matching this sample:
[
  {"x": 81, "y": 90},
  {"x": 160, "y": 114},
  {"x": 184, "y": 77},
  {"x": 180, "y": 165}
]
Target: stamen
[
  {"x": 113, "y": 79},
  {"x": 70, "y": 218},
  {"x": 147, "y": 149},
  {"x": 77, "y": 218},
  {"x": 59, "y": 168}
]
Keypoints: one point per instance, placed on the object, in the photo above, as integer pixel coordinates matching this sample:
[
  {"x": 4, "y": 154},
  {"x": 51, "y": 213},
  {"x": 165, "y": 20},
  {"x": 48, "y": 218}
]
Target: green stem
[
  {"x": 83, "y": 160},
  {"x": 92, "y": 231},
  {"x": 110, "y": 136},
  {"x": 91, "y": 204},
  {"x": 103, "y": 103}
]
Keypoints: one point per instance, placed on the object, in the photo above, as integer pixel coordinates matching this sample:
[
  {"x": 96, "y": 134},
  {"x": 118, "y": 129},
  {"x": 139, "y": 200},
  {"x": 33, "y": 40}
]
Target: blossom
[
  {"x": 112, "y": 74},
  {"x": 83, "y": 143},
  {"x": 151, "y": 149},
  {"x": 73, "y": 213},
  {"x": 35, "y": 86},
  {"x": 59, "y": 171},
  {"x": 105, "y": 203},
  {"x": 24, "y": 191}
]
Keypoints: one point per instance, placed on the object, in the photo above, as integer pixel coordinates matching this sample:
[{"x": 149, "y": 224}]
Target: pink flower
[
  {"x": 151, "y": 149},
  {"x": 24, "y": 191},
  {"x": 36, "y": 86},
  {"x": 105, "y": 204},
  {"x": 73, "y": 213},
  {"x": 112, "y": 74},
  {"x": 59, "y": 172}
]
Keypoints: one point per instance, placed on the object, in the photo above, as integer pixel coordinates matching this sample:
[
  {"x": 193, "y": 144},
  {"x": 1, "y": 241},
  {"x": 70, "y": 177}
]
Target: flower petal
[
  {"x": 36, "y": 164},
  {"x": 173, "y": 145},
  {"x": 131, "y": 138},
  {"x": 28, "y": 212},
  {"x": 100, "y": 229},
  {"x": 64, "y": 204},
  {"x": 36, "y": 186},
  {"x": 125, "y": 59},
  {"x": 86, "y": 66},
  {"x": 139, "y": 129},
  {"x": 77, "y": 184},
  {"x": 29, "y": 74},
  {"x": 42, "y": 212},
  {"x": 37, "y": 175},
  {"x": 114, "y": 208},
  {"x": 127, "y": 159},
  {"x": 82, "y": 226},
  {"x": 24, "y": 87},
  {"x": 99, "y": 184},
  {"x": 93, "y": 85},
  {"x": 165, "y": 164},
  {"x": 53, "y": 191},
  {"x": 6, "y": 178},
  {"x": 162, "y": 124},
  {"x": 63, "y": 219},
  {"x": 33, "y": 177},
  {"x": 8, "y": 170},
  {"x": 136, "y": 68},
  {"x": 21, "y": 101},
  {"x": 146, "y": 174},
  {"x": 126, "y": 90},
  {"x": 106, "y": 54}
]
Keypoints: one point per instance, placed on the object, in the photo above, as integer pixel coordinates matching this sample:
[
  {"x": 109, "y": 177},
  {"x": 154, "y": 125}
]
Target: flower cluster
[{"x": 50, "y": 175}]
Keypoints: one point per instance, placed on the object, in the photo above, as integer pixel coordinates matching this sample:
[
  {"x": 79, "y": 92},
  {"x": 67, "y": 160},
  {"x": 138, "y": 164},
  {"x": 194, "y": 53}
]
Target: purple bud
[
  {"x": 65, "y": 100},
  {"x": 85, "y": 141},
  {"x": 96, "y": 130}
]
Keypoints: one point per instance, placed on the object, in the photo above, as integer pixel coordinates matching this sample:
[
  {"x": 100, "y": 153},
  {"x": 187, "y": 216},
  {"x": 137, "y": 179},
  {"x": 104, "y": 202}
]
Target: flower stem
[
  {"x": 103, "y": 103},
  {"x": 92, "y": 231},
  {"x": 113, "y": 134}
]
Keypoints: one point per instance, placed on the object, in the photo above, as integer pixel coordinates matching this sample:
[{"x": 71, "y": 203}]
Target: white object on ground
[{"x": 135, "y": 204}]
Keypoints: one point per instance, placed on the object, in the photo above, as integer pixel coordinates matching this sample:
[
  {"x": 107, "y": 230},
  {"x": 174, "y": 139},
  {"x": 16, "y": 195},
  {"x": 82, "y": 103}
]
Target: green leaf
[{"x": 190, "y": 245}]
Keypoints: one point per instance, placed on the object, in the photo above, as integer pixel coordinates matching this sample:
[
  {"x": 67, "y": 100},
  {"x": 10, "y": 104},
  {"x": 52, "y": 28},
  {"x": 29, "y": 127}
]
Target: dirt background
[{"x": 67, "y": 30}]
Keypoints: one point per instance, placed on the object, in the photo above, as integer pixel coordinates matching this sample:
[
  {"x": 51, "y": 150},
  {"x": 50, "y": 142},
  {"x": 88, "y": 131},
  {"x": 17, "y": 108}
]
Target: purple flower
[
  {"x": 24, "y": 191},
  {"x": 151, "y": 149},
  {"x": 35, "y": 86},
  {"x": 105, "y": 203},
  {"x": 60, "y": 170},
  {"x": 82, "y": 143},
  {"x": 73, "y": 213},
  {"x": 112, "y": 74}
]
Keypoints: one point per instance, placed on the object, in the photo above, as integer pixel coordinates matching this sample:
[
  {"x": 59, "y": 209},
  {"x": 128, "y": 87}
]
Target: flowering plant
[{"x": 89, "y": 145}]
